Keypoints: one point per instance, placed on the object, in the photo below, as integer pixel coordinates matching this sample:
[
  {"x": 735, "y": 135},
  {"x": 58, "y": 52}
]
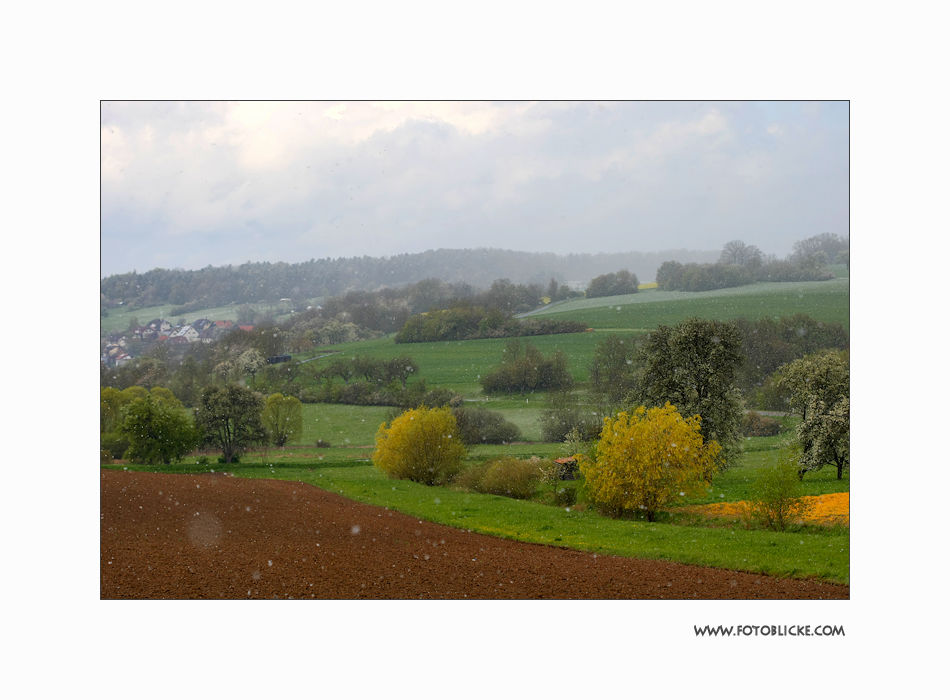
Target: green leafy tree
[
  {"x": 622, "y": 282},
  {"x": 229, "y": 418},
  {"x": 693, "y": 365},
  {"x": 282, "y": 418},
  {"x": 165, "y": 396},
  {"x": 110, "y": 405},
  {"x": 157, "y": 431}
]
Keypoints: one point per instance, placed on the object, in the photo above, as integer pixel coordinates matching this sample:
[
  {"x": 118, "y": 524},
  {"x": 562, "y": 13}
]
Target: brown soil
[{"x": 214, "y": 536}]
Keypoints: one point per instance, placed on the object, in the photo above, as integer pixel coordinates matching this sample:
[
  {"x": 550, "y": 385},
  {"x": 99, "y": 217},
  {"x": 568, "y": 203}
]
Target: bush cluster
[
  {"x": 564, "y": 415},
  {"x": 506, "y": 476},
  {"x": 362, "y": 393},
  {"x": 769, "y": 343},
  {"x": 700, "y": 277},
  {"x": 756, "y": 425},
  {"x": 479, "y": 425},
  {"x": 114, "y": 444},
  {"x": 473, "y": 322},
  {"x": 524, "y": 368}
]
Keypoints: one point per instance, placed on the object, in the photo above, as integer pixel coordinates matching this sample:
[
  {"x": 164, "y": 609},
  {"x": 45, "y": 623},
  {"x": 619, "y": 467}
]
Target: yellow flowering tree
[
  {"x": 421, "y": 444},
  {"x": 647, "y": 459}
]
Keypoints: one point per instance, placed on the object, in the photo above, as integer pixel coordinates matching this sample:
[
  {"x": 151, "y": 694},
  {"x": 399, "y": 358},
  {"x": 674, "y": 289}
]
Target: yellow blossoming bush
[
  {"x": 421, "y": 444},
  {"x": 647, "y": 459}
]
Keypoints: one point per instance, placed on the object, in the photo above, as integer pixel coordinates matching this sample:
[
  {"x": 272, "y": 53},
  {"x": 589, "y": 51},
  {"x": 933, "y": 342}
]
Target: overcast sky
[{"x": 214, "y": 183}]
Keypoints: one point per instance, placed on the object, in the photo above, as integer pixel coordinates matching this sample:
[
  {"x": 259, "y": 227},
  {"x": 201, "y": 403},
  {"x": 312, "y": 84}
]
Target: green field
[
  {"x": 458, "y": 365},
  {"x": 824, "y": 301}
]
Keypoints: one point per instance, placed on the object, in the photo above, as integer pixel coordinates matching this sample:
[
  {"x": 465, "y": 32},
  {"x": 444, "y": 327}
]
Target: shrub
[
  {"x": 471, "y": 476},
  {"x": 479, "y": 425},
  {"x": 756, "y": 425},
  {"x": 647, "y": 459},
  {"x": 114, "y": 443},
  {"x": 776, "y": 497},
  {"x": 565, "y": 496},
  {"x": 551, "y": 475},
  {"x": 323, "y": 443},
  {"x": 421, "y": 444},
  {"x": 440, "y": 396},
  {"x": 511, "y": 477},
  {"x": 771, "y": 396},
  {"x": 524, "y": 368},
  {"x": 565, "y": 415}
]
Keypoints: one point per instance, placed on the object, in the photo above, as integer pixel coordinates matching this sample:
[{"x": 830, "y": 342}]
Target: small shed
[{"x": 568, "y": 467}]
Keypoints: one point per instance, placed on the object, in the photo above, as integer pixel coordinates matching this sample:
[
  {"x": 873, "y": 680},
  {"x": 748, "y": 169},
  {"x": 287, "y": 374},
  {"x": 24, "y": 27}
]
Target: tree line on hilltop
[
  {"x": 740, "y": 264},
  {"x": 265, "y": 282}
]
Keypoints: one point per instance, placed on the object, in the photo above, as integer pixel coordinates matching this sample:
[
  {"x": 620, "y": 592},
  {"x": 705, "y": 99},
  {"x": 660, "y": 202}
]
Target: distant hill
[{"x": 270, "y": 282}]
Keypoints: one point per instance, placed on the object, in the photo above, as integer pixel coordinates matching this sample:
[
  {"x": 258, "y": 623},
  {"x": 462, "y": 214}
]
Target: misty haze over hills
[{"x": 266, "y": 282}]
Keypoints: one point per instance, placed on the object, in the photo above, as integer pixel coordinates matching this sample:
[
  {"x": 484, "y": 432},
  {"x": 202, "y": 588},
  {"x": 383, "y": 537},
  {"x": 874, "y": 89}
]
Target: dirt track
[{"x": 213, "y": 536}]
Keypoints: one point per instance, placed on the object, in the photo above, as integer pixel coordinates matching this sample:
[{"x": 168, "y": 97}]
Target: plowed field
[{"x": 213, "y": 536}]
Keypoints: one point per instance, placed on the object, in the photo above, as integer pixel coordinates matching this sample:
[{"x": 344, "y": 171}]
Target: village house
[{"x": 187, "y": 332}]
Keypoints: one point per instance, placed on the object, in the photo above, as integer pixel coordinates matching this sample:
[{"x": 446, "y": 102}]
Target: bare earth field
[{"x": 213, "y": 536}]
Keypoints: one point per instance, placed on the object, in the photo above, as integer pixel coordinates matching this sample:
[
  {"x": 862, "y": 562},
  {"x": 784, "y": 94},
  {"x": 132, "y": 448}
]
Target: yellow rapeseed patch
[{"x": 828, "y": 509}]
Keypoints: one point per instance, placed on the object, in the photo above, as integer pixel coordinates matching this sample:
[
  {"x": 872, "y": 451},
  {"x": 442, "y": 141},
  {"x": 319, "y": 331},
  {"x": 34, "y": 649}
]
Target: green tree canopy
[
  {"x": 621, "y": 282},
  {"x": 157, "y": 431},
  {"x": 229, "y": 418},
  {"x": 282, "y": 418},
  {"x": 693, "y": 365}
]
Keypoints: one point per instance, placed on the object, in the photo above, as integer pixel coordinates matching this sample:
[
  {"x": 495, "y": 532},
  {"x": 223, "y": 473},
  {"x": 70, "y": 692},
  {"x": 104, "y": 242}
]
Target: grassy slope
[
  {"x": 459, "y": 364},
  {"x": 825, "y": 301}
]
